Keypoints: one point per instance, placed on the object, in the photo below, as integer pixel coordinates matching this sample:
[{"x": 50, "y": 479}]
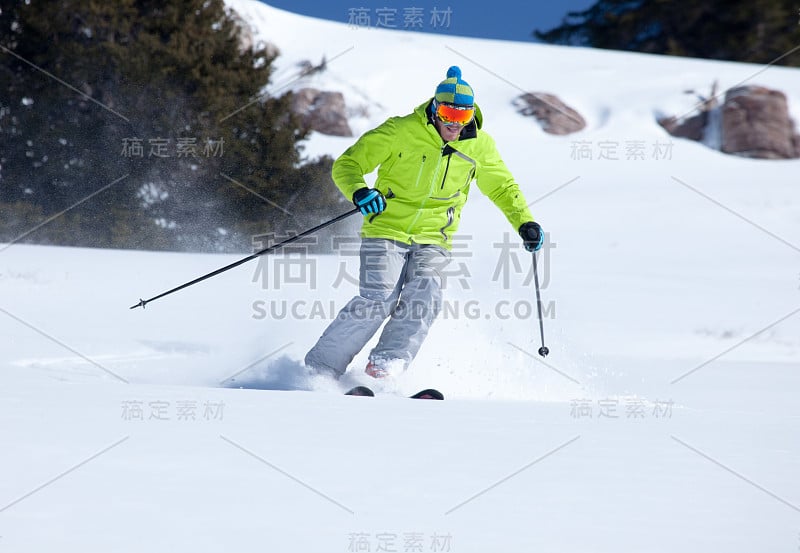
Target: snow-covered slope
[{"x": 665, "y": 418}]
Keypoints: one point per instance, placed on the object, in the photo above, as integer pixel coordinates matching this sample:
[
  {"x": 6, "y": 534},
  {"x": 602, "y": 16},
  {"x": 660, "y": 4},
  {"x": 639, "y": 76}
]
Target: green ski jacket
[{"x": 429, "y": 178}]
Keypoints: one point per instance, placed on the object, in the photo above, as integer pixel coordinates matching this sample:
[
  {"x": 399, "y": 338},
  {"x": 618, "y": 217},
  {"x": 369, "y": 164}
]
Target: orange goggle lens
[{"x": 451, "y": 115}]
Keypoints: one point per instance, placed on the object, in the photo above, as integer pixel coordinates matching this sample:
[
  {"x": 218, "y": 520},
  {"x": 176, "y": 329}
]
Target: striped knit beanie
[{"x": 453, "y": 90}]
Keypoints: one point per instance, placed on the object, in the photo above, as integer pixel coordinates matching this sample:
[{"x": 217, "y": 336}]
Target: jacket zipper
[
  {"x": 430, "y": 190},
  {"x": 446, "y": 169},
  {"x": 421, "y": 167}
]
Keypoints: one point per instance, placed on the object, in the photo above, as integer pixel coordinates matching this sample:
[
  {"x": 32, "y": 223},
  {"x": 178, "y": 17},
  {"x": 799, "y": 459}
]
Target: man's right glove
[
  {"x": 369, "y": 200},
  {"x": 532, "y": 236}
]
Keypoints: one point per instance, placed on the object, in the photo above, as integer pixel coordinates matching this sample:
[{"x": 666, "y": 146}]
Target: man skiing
[{"x": 426, "y": 162}]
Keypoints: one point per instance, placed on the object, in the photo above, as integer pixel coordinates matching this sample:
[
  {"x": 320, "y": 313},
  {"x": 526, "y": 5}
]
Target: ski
[
  {"x": 360, "y": 391},
  {"x": 428, "y": 393}
]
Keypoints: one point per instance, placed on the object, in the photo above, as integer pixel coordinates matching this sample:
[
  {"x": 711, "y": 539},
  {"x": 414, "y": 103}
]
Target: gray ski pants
[{"x": 399, "y": 281}]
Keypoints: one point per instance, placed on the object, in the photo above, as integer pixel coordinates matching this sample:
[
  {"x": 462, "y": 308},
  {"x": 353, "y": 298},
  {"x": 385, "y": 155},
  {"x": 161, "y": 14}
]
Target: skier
[{"x": 426, "y": 162}]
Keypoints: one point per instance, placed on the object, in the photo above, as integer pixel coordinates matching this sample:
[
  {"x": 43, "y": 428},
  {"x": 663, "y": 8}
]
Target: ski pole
[
  {"x": 269, "y": 249},
  {"x": 543, "y": 351}
]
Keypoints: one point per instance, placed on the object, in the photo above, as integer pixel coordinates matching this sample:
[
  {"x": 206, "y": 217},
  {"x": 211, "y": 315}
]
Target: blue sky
[{"x": 501, "y": 19}]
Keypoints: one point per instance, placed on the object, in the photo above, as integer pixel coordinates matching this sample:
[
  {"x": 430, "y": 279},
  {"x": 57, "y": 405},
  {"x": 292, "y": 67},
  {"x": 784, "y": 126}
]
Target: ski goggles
[{"x": 451, "y": 115}]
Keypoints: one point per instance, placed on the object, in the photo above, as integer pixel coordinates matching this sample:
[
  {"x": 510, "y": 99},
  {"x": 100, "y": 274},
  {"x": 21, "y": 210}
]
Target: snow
[{"x": 664, "y": 419}]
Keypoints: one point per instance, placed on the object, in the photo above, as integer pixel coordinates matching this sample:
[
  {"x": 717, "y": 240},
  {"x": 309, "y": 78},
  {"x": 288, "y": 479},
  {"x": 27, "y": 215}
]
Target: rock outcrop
[
  {"x": 753, "y": 121},
  {"x": 553, "y": 115},
  {"x": 756, "y": 123},
  {"x": 322, "y": 111}
]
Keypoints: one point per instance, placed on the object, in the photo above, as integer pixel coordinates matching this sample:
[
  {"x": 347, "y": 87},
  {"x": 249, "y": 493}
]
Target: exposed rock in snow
[
  {"x": 322, "y": 111},
  {"x": 553, "y": 115},
  {"x": 753, "y": 122},
  {"x": 756, "y": 123}
]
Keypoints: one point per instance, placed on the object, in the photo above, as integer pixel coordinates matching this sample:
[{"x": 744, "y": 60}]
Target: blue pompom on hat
[{"x": 454, "y": 90}]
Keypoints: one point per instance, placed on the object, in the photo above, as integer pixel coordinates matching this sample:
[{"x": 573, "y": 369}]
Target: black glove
[
  {"x": 369, "y": 200},
  {"x": 532, "y": 236}
]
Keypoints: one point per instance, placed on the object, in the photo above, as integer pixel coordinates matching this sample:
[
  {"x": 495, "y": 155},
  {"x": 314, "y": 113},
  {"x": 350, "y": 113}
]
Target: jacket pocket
[{"x": 446, "y": 198}]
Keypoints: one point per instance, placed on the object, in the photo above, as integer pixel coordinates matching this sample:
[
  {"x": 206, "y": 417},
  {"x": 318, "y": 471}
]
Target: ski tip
[
  {"x": 360, "y": 391},
  {"x": 430, "y": 393}
]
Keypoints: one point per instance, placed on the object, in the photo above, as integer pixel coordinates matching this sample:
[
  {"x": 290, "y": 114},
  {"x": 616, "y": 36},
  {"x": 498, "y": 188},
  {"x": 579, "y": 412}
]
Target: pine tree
[
  {"x": 168, "y": 108},
  {"x": 737, "y": 30}
]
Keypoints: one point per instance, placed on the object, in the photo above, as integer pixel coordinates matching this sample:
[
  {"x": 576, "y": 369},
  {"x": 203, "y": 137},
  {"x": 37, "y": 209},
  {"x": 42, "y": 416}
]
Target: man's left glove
[
  {"x": 369, "y": 200},
  {"x": 532, "y": 236}
]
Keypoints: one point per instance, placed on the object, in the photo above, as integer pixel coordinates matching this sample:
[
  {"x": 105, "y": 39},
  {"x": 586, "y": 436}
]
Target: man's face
[{"x": 448, "y": 133}]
